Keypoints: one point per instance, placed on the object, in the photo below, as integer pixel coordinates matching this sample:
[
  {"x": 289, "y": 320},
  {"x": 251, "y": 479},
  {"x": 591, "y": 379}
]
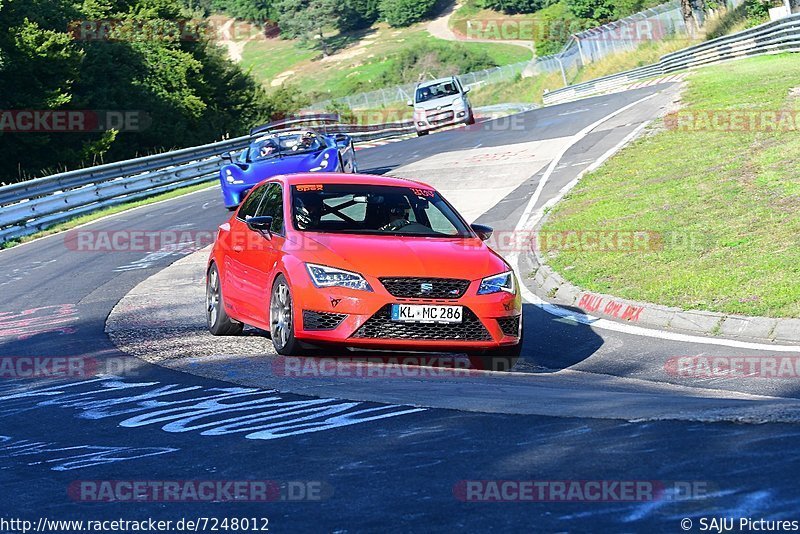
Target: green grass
[
  {"x": 354, "y": 68},
  {"x": 266, "y": 59},
  {"x": 93, "y": 216},
  {"x": 727, "y": 204}
]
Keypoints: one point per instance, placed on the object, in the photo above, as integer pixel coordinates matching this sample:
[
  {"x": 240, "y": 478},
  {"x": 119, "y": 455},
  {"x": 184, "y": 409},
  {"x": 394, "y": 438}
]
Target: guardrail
[
  {"x": 769, "y": 38},
  {"x": 31, "y": 206}
]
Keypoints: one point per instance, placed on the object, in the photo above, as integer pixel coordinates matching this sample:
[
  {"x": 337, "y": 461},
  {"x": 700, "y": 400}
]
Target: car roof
[
  {"x": 346, "y": 178},
  {"x": 434, "y": 82}
]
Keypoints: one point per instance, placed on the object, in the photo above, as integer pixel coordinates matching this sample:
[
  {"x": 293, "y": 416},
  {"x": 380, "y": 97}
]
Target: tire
[
  {"x": 217, "y": 319},
  {"x": 231, "y": 208},
  {"x": 420, "y": 134},
  {"x": 281, "y": 318},
  {"x": 470, "y": 119}
]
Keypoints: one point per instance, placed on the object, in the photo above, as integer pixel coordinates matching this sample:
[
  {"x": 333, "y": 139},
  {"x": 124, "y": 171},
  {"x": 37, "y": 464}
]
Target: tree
[
  {"x": 189, "y": 90},
  {"x": 359, "y": 14},
  {"x": 693, "y": 14},
  {"x": 308, "y": 19},
  {"x": 399, "y": 13},
  {"x": 598, "y": 11}
]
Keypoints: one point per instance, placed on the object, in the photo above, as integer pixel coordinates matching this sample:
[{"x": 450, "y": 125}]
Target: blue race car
[{"x": 283, "y": 151}]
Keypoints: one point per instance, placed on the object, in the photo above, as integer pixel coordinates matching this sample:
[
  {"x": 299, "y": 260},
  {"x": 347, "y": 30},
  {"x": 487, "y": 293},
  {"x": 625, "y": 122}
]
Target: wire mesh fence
[{"x": 652, "y": 25}]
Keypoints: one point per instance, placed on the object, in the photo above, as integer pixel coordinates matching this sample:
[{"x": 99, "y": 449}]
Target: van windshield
[{"x": 439, "y": 90}]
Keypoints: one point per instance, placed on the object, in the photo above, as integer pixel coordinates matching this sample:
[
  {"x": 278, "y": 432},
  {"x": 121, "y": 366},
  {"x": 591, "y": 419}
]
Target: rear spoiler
[{"x": 290, "y": 121}]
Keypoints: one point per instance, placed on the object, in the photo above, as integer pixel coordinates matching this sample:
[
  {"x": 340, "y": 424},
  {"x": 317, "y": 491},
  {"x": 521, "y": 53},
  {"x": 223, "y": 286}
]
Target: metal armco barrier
[
  {"x": 30, "y": 206},
  {"x": 769, "y": 38}
]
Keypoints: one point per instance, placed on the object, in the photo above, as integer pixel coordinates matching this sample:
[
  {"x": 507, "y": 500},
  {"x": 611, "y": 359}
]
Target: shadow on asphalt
[{"x": 552, "y": 343}]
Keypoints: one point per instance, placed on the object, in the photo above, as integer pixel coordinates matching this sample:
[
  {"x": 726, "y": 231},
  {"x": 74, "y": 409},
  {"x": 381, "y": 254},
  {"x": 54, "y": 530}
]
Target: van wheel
[{"x": 420, "y": 134}]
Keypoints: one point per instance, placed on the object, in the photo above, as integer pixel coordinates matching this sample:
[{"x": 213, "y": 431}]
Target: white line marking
[
  {"x": 572, "y": 142},
  {"x": 529, "y": 219}
]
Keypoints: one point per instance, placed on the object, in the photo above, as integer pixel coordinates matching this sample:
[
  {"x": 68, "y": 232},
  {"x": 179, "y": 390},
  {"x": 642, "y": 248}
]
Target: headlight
[
  {"x": 458, "y": 103},
  {"x": 324, "y": 276},
  {"x": 497, "y": 283}
]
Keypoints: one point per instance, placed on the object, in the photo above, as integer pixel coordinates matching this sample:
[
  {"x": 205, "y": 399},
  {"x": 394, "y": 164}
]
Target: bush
[
  {"x": 425, "y": 61},
  {"x": 398, "y": 13},
  {"x": 516, "y": 6}
]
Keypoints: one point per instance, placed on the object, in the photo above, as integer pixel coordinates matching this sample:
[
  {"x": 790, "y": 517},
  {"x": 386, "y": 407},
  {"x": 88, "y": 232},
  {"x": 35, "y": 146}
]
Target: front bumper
[
  {"x": 441, "y": 118},
  {"x": 233, "y": 194},
  {"x": 362, "y": 319}
]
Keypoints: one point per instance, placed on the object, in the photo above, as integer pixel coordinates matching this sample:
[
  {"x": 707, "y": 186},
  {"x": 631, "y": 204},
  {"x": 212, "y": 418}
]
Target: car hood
[
  {"x": 290, "y": 164},
  {"x": 379, "y": 256},
  {"x": 444, "y": 102}
]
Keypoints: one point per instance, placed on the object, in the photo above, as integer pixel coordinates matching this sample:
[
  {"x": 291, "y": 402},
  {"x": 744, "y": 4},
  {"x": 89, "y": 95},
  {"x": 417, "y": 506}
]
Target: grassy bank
[
  {"x": 726, "y": 201},
  {"x": 360, "y": 62}
]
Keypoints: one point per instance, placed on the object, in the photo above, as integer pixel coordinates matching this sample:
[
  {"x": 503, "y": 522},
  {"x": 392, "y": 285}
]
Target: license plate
[{"x": 425, "y": 313}]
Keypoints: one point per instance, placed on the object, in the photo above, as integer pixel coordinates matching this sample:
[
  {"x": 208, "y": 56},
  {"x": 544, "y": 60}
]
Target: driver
[
  {"x": 307, "y": 210},
  {"x": 306, "y": 141},
  {"x": 267, "y": 149},
  {"x": 398, "y": 212}
]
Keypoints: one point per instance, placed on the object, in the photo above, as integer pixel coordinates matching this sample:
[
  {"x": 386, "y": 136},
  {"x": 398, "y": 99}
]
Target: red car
[{"x": 365, "y": 262}]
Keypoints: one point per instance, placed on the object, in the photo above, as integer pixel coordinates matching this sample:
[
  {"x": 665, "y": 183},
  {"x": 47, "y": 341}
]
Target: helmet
[{"x": 307, "y": 210}]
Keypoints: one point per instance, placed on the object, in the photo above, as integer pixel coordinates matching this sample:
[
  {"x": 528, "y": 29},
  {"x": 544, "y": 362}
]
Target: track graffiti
[
  {"x": 47, "y": 319},
  {"x": 66, "y": 458},
  {"x": 255, "y": 413}
]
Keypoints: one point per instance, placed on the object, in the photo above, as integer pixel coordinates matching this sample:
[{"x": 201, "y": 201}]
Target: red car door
[
  {"x": 260, "y": 257},
  {"x": 235, "y": 241}
]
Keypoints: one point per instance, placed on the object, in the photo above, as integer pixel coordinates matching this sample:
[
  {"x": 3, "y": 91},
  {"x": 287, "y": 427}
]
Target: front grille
[
  {"x": 381, "y": 326},
  {"x": 314, "y": 320},
  {"x": 426, "y": 288},
  {"x": 509, "y": 325},
  {"x": 439, "y": 116}
]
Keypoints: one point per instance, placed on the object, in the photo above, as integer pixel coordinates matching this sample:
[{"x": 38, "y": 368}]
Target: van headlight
[{"x": 500, "y": 282}]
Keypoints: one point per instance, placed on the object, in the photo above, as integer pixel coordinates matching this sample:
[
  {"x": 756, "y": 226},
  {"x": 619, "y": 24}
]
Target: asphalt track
[{"x": 389, "y": 468}]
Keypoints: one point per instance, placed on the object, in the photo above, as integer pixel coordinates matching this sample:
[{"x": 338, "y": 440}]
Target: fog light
[
  {"x": 461, "y": 113},
  {"x": 420, "y": 123}
]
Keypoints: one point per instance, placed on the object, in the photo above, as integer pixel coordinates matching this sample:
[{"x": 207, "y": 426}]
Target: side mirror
[
  {"x": 467, "y": 90},
  {"x": 483, "y": 231},
  {"x": 341, "y": 140},
  {"x": 409, "y": 103},
  {"x": 227, "y": 156},
  {"x": 260, "y": 224}
]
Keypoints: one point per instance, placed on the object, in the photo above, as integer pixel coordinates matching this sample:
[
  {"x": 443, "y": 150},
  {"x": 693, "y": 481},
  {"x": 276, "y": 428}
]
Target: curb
[{"x": 552, "y": 287}]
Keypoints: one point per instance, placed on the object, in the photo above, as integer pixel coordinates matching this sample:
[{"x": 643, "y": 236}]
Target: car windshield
[
  {"x": 431, "y": 92},
  {"x": 285, "y": 144},
  {"x": 374, "y": 210}
]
